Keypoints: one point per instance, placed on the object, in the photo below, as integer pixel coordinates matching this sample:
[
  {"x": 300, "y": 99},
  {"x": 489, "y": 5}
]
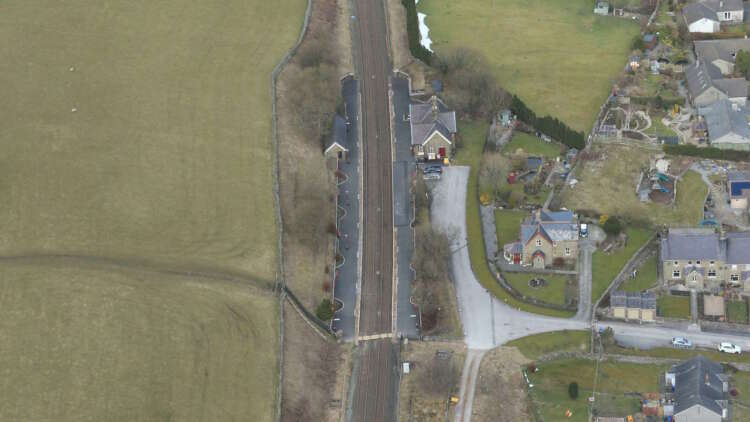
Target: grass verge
[
  {"x": 558, "y": 341},
  {"x": 681, "y": 354},
  {"x": 507, "y": 225},
  {"x": 470, "y": 155}
]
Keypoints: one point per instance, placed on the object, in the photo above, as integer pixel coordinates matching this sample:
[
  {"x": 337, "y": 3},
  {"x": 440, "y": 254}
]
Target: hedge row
[
  {"x": 412, "y": 29},
  {"x": 658, "y": 101},
  {"x": 708, "y": 152},
  {"x": 548, "y": 125}
]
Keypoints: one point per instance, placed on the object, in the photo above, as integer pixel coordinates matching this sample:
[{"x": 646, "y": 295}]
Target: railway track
[{"x": 374, "y": 393}]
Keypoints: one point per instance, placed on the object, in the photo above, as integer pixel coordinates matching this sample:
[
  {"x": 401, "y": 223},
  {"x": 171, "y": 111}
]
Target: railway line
[{"x": 375, "y": 378}]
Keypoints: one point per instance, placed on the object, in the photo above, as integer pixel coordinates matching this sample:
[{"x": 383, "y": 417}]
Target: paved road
[
  {"x": 375, "y": 378},
  {"x": 406, "y": 324},
  {"x": 586, "y": 249},
  {"x": 348, "y": 214},
  {"x": 489, "y": 322}
]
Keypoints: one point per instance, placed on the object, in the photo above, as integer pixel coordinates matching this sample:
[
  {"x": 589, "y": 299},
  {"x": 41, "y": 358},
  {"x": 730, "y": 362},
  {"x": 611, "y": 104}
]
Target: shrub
[
  {"x": 548, "y": 125},
  {"x": 612, "y": 226},
  {"x": 324, "y": 310},
  {"x": 712, "y": 153},
  {"x": 412, "y": 29},
  {"x": 573, "y": 390}
]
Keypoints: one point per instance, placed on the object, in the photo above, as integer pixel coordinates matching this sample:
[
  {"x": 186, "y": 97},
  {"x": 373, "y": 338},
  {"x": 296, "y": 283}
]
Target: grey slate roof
[
  {"x": 338, "y": 133},
  {"x": 724, "y": 49},
  {"x": 556, "y": 226},
  {"x": 700, "y": 76},
  {"x": 680, "y": 244},
  {"x": 618, "y": 299},
  {"x": 699, "y": 381},
  {"x": 621, "y": 298},
  {"x": 634, "y": 300},
  {"x": 723, "y": 118},
  {"x": 738, "y": 176},
  {"x": 709, "y": 8},
  {"x": 733, "y": 87},
  {"x": 648, "y": 301},
  {"x": 425, "y": 120},
  {"x": 738, "y": 248}
]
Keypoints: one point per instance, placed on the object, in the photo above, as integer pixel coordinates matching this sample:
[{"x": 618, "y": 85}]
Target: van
[{"x": 584, "y": 230}]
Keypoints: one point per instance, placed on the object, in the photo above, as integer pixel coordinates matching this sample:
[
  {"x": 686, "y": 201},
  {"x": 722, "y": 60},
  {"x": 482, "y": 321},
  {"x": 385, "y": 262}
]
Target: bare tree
[
  {"x": 438, "y": 377},
  {"x": 313, "y": 103}
]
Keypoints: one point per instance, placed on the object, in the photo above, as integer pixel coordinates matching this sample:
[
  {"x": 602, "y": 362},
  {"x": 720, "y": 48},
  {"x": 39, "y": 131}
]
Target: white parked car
[
  {"x": 682, "y": 343},
  {"x": 730, "y": 348}
]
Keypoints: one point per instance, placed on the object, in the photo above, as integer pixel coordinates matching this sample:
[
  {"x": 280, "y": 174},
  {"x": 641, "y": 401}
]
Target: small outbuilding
[
  {"x": 601, "y": 8},
  {"x": 337, "y": 142}
]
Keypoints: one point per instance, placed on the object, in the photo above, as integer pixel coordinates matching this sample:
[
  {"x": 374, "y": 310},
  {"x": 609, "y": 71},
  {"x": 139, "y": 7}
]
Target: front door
[{"x": 441, "y": 152}]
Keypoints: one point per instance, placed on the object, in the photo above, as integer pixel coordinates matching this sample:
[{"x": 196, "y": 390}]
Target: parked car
[
  {"x": 681, "y": 343},
  {"x": 730, "y": 348},
  {"x": 584, "y": 230},
  {"x": 432, "y": 169}
]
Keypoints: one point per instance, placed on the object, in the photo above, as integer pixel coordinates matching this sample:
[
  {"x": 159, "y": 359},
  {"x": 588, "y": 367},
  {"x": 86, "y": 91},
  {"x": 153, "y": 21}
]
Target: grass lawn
[
  {"x": 555, "y": 54},
  {"x": 553, "y": 292},
  {"x": 550, "y": 389},
  {"x": 645, "y": 278},
  {"x": 531, "y": 145},
  {"x": 659, "y": 129},
  {"x": 605, "y": 267},
  {"x": 127, "y": 345},
  {"x": 168, "y": 155},
  {"x": 607, "y": 185},
  {"x": 559, "y": 341},
  {"x": 682, "y": 354},
  {"x": 470, "y": 155},
  {"x": 737, "y": 311},
  {"x": 507, "y": 225},
  {"x": 741, "y": 404},
  {"x": 674, "y": 306}
]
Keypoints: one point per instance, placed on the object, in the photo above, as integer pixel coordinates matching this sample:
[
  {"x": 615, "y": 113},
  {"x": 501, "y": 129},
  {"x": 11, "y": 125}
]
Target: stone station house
[{"x": 544, "y": 237}]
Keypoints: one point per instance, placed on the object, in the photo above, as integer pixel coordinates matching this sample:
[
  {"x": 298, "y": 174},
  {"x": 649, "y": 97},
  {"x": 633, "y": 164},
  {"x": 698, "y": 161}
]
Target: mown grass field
[
  {"x": 93, "y": 344},
  {"x": 674, "y": 306},
  {"x": 531, "y": 145},
  {"x": 555, "y": 54},
  {"x": 470, "y": 154},
  {"x": 615, "y": 379},
  {"x": 607, "y": 186},
  {"x": 168, "y": 155},
  {"x": 558, "y": 341},
  {"x": 605, "y": 267}
]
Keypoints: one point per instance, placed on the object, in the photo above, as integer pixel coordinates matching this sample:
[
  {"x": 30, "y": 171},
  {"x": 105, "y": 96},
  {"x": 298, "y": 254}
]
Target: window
[
  {"x": 676, "y": 263},
  {"x": 554, "y": 244},
  {"x": 676, "y": 274},
  {"x": 711, "y": 262},
  {"x": 690, "y": 262},
  {"x": 727, "y": 15},
  {"x": 567, "y": 251},
  {"x": 539, "y": 242},
  {"x": 712, "y": 273},
  {"x": 697, "y": 263},
  {"x": 734, "y": 277}
]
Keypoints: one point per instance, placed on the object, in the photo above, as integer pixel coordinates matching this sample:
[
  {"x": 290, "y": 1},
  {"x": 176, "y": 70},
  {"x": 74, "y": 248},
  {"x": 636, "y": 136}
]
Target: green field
[
  {"x": 168, "y": 154},
  {"x": 674, "y": 306},
  {"x": 615, "y": 379},
  {"x": 555, "y": 54},
  {"x": 553, "y": 292},
  {"x": 645, "y": 278},
  {"x": 474, "y": 135},
  {"x": 605, "y": 267},
  {"x": 89, "y": 344},
  {"x": 137, "y": 143},
  {"x": 607, "y": 186},
  {"x": 558, "y": 341},
  {"x": 507, "y": 225},
  {"x": 531, "y": 145}
]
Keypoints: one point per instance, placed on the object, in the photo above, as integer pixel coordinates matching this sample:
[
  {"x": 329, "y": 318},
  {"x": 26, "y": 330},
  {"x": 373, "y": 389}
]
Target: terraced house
[
  {"x": 704, "y": 260},
  {"x": 544, "y": 238}
]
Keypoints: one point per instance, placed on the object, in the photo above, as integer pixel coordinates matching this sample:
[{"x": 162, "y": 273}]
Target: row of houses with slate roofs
[{"x": 706, "y": 260}]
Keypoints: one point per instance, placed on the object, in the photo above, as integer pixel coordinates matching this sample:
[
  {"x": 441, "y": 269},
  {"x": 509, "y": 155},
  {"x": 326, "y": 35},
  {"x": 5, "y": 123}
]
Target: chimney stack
[
  {"x": 435, "y": 108},
  {"x": 707, "y": 381}
]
